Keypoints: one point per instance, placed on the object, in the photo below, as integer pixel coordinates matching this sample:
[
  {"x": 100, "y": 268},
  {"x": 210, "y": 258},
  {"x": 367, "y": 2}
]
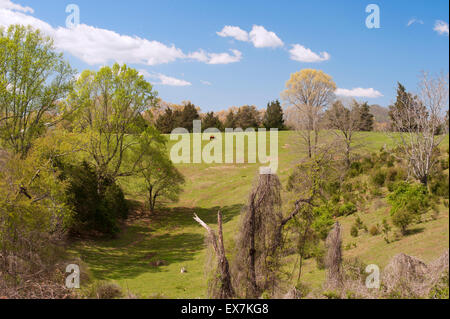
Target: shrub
[
  {"x": 354, "y": 231},
  {"x": 408, "y": 202},
  {"x": 374, "y": 230},
  {"x": 347, "y": 209},
  {"x": 356, "y": 169},
  {"x": 104, "y": 290},
  {"x": 379, "y": 177},
  {"x": 439, "y": 185},
  {"x": 93, "y": 211}
]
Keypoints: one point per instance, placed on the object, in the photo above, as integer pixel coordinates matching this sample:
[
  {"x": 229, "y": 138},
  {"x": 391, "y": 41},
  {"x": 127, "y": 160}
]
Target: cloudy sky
[{"x": 223, "y": 53}]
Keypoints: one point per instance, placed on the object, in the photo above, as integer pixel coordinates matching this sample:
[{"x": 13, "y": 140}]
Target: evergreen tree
[
  {"x": 210, "y": 120},
  {"x": 365, "y": 118},
  {"x": 188, "y": 115},
  {"x": 274, "y": 116},
  {"x": 404, "y": 100},
  {"x": 166, "y": 121}
]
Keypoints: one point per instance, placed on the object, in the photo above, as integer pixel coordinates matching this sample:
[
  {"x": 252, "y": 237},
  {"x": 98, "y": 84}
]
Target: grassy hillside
[{"x": 174, "y": 240}]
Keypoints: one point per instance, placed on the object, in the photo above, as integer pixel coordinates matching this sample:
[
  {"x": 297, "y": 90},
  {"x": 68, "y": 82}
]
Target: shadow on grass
[
  {"x": 149, "y": 245},
  {"x": 415, "y": 231}
]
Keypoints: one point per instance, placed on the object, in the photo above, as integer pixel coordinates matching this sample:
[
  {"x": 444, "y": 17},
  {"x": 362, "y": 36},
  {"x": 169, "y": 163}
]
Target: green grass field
[{"x": 173, "y": 237}]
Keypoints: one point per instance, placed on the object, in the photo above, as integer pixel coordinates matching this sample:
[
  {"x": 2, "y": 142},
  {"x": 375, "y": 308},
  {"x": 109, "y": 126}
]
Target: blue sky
[{"x": 183, "y": 48}]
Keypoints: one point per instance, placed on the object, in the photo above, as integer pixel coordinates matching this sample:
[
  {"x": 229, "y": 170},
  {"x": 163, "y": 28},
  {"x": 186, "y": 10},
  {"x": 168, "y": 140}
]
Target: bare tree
[
  {"x": 344, "y": 123},
  {"x": 223, "y": 288},
  {"x": 422, "y": 118},
  {"x": 310, "y": 91}
]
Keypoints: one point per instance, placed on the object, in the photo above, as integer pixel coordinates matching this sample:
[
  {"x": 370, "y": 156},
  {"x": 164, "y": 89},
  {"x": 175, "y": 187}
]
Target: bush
[
  {"x": 104, "y": 290},
  {"x": 93, "y": 211},
  {"x": 354, "y": 231},
  {"x": 347, "y": 209},
  {"x": 439, "y": 185},
  {"x": 379, "y": 178},
  {"x": 408, "y": 202},
  {"x": 374, "y": 230}
]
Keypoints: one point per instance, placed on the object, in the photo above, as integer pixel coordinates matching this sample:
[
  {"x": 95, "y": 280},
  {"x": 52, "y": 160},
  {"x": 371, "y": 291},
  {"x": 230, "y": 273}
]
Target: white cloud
[
  {"x": 164, "y": 79},
  {"x": 302, "y": 54},
  {"x": 234, "y": 32},
  {"x": 359, "y": 92},
  {"x": 7, "y": 4},
  {"x": 205, "y": 82},
  {"x": 101, "y": 46},
  {"x": 414, "y": 20},
  {"x": 441, "y": 27},
  {"x": 261, "y": 38},
  {"x": 216, "y": 58}
]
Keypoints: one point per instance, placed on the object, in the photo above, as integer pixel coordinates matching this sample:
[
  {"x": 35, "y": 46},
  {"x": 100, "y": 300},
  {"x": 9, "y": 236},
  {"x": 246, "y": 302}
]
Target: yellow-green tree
[
  {"x": 33, "y": 80},
  {"x": 109, "y": 103},
  {"x": 310, "y": 91}
]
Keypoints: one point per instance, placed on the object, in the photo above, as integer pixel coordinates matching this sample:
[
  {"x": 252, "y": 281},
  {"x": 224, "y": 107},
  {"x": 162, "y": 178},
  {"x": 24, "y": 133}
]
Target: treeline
[{"x": 176, "y": 116}]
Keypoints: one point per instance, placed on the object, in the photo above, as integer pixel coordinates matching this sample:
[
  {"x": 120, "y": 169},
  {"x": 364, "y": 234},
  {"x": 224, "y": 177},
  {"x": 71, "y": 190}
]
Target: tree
[
  {"x": 211, "y": 121},
  {"x": 33, "y": 81},
  {"x": 419, "y": 119},
  {"x": 161, "y": 179},
  {"x": 366, "y": 119},
  {"x": 230, "y": 121},
  {"x": 247, "y": 116},
  {"x": 168, "y": 121},
  {"x": 188, "y": 115},
  {"x": 404, "y": 101},
  {"x": 109, "y": 101},
  {"x": 346, "y": 122},
  {"x": 273, "y": 118},
  {"x": 310, "y": 91}
]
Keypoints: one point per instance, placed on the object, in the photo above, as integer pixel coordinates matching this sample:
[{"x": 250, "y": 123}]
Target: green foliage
[
  {"x": 33, "y": 81},
  {"x": 93, "y": 210},
  {"x": 354, "y": 231},
  {"x": 379, "y": 177},
  {"x": 211, "y": 121},
  {"x": 439, "y": 185},
  {"x": 323, "y": 222},
  {"x": 366, "y": 119},
  {"x": 273, "y": 118},
  {"x": 440, "y": 289},
  {"x": 347, "y": 209},
  {"x": 408, "y": 202}
]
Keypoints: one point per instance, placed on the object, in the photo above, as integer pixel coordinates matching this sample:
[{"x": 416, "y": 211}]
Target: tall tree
[
  {"x": 109, "y": 101},
  {"x": 310, "y": 91},
  {"x": 419, "y": 119},
  {"x": 366, "y": 119},
  {"x": 211, "y": 121},
  {"x": 404, "y": 104},
  {"x": 273, "y": 118},
  {"x": 230, "y": 120},
  {"x": 33, "y": 81},
  {"x": 188, "y": 115},
  {"x": 247, "y": 116}
]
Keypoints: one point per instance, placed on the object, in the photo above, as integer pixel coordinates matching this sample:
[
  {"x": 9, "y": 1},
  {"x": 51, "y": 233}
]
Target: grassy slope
[{"x": 173, "y": 236}]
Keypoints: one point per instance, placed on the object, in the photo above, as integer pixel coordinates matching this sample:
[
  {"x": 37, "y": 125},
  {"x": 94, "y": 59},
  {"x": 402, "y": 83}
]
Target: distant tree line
[{"x": 247, "y": 116}]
